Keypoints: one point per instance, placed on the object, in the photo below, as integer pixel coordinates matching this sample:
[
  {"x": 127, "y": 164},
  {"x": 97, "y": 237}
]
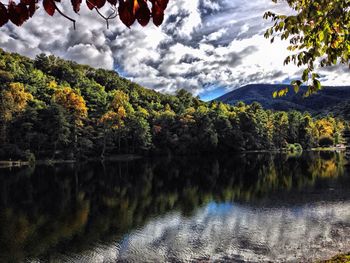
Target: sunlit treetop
[
  {"x": 127, "y": 10},
  {"x": 319, "y": 34}
]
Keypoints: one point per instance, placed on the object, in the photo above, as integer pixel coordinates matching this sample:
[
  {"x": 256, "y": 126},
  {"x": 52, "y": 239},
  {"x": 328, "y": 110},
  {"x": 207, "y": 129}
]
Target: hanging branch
[
  {"x": 65, "y": 16},
  {"x": 113, "y": 15},
  {"x": 128, "y": 11}
]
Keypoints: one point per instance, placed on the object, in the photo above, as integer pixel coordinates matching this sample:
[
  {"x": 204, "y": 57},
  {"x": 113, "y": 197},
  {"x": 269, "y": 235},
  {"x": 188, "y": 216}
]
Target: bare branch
[
  {"x": 64, "y": 15},
  {"x": 111, "y": 16}
]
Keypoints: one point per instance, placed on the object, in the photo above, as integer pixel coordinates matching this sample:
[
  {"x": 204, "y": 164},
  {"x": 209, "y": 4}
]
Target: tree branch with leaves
[
  {"x": 319, "y": 35},
  {"x": 128, "y": 10}
]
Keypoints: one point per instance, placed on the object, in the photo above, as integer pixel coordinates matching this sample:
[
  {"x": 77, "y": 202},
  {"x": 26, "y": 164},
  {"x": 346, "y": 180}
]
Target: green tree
[
  {"x": 280, "y": 132},
  {"x": 140, "y": 132},
  {"x": 54, "y": 121},
  {"x": 294, "y": 120},
  {"x": 75, "y": 105},
  {"x": 13, "y": 100},
  {"x": 318, "y": 32},
  {"x": 307, "y": 135}
]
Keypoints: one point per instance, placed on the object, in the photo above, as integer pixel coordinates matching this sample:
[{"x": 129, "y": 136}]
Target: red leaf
[
  {"x": 142, "y": 13},
  {"x": 90, "y": 4},
  {"x": 112, "y": 2},
  {"x": 32, "y": 8},
  {"x": 100, "y": 3},
  {"x": 4, "y": 18},
  {"x": 126, "y": 12},
  {"x": 49, "y": 6},
  {"x": 18, "y": 14},
  {"x": 95, "y": 3},
  {"x": 157, "y": 14},
  {"x": 76, "y": 5},
  {"x": 162, "y": 3}
]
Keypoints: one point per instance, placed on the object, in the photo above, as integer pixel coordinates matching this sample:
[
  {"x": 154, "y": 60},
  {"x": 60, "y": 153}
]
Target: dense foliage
[
  {"x": 52, "y": 108},
  {"x": 318, "y": 32}
]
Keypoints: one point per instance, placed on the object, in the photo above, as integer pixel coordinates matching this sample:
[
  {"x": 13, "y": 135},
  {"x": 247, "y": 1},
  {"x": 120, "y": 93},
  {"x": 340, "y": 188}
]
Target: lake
[{"x": 239, "y": 208}]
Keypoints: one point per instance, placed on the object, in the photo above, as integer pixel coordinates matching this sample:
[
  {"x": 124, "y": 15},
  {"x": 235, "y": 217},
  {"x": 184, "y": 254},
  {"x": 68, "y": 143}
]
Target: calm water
[{"x": 248, "y": 208}]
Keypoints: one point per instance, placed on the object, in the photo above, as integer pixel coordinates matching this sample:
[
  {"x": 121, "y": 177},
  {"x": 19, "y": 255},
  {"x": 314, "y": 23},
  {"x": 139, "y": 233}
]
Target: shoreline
[
  {"x": 9, "y": 164},
  {"x": 19, "y": 163},
  {"x": 130, "y": 157}
]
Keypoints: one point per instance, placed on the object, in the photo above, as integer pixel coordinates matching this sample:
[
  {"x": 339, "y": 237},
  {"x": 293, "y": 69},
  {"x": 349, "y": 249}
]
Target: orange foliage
[
  {"x": 112, "y": 120},
  {"x": 14, "y": 99},
  {"x": 72, "y": 102}
]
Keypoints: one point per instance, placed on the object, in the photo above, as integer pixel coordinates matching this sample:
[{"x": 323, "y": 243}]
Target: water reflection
[
  {"x": 251, "y": 207},
  {"x": 241, "y": 233}
]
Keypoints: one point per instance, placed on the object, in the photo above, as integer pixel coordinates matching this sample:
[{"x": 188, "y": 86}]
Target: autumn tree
[
  {"x": 13, "y": 100},
  {"x": 75, "y": 105},
  {"x": 318, "y": 33},
  {"x": 73, "y": 102},
  {"x": 113, "y": 121},
  {"x": 329, "y": 129},
  {"x": 110, "y": 121}
]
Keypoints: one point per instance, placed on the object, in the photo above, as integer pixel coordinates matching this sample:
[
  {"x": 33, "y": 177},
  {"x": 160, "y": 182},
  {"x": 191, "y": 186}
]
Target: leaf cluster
[
  {"x": 128, "y": 10},
  {"x": 319, "y": 35}
]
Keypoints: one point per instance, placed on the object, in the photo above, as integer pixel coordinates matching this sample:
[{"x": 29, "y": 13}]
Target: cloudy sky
[{"x": 208, "y": 47}]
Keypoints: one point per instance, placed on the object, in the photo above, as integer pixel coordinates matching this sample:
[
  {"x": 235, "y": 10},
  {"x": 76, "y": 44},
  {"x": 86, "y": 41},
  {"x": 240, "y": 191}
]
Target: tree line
[{"x": 56, "y": 109}]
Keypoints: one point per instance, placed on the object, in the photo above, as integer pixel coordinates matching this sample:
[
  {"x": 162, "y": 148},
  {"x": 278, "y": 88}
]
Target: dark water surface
[{"x": 246, "y": 208}]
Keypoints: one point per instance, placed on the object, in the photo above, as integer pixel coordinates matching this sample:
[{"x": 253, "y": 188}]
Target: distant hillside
[
  {"x": 52, "y": 109},
  {"x": 326, "y": 98}
]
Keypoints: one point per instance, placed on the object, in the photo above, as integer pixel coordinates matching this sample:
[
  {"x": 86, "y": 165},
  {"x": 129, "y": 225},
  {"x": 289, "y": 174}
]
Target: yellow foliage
[
  {"x": 188, "y": 116},
  {"x": 340, "y": 126},
  {"x": 168, "y": 111},
  {"x": 223, "y": 108},
  {"x": 202, "y": 110},
  {"x": 324, "y": 127},
  {"x": 119, "y": 99},
  {"x": 190, "y": 110},
  {"x": 113, "y": 120},
  {"x": 14, "y": 99},
  {"x": 121, "y": 112},
  {"x": 71, "y": 101},
  {"x": 143, "y": 112},
  {"x": 52, "y": 85}
]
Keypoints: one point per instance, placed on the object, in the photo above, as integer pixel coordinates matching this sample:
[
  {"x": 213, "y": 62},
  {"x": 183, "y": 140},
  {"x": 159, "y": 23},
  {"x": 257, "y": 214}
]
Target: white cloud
[
  {"x": 86, "y": 53},
  {"x": 215, "y": 35}
]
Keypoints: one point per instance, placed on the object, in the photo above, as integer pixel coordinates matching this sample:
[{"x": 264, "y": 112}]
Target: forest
[{"x": 56, "y": 109}]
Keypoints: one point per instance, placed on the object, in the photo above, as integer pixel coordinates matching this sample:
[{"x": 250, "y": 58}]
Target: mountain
[{"x": 324, "y": 99}]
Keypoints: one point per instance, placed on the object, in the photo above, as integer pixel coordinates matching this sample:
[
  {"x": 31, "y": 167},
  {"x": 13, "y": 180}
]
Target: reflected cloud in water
[
  {"x": 250, "y": 208},
  {"x": 224, "y": 231}
]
